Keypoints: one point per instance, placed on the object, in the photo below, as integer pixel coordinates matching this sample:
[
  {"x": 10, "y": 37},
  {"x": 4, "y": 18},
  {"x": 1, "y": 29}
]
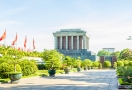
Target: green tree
[
  {"x": 117, "y": 54},
  {"x": 78, "y": 61},
  {"x": 67, "y": 61},
  {"x": 52, "y": 58},
  {"x": 103, "y": 53},
  {"x": 126, "y": 54}
]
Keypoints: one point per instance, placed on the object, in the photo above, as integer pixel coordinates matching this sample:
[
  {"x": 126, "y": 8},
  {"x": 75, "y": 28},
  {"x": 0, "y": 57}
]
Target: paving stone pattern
[{"x": 84, "y": 80}]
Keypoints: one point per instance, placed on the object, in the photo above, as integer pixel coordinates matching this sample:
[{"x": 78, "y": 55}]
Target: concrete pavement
[{"x": 84, "y": 80}]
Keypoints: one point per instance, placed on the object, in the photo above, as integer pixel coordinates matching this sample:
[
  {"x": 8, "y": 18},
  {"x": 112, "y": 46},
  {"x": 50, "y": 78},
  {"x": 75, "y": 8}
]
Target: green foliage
[
  {"x": 6, "y": 67},
  {"x": 95, "y": 64},
  {"x": 120, "y": 63},
  {"x": 115, "y": 65},
  {"x": 100, "y": 65},
  {"x": 107, "y": 64},
  {"x": 74, "y": 62},
  {"x": 87, "y": 63},
  {"x": 130, "y": 63},
  {"x": 126, "y": 72},
  {"x": 126, "y": 62},
  {"x": 78, "y": 62},
  {"x": 67, "y": 61},
  {"x": 41, "y": 66},
  {"x": 8, "y": 50},
  {"x": 117, "y": 54},
  {"x": 52, "y": 58},
  {"x": 126, "y": 54},
  {"x": 102, "y": 53},
  {"x": 28, "y": 67}
]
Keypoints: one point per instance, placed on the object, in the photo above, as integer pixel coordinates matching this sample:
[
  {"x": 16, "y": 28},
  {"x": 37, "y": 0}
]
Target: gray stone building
[{"x": 74, "y": 43}]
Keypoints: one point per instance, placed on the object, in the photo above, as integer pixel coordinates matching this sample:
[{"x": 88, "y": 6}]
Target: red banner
[{"x": 3, "y": 36}]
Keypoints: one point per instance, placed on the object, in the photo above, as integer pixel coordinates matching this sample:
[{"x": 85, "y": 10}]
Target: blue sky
[{"x": 107, "y": 22}]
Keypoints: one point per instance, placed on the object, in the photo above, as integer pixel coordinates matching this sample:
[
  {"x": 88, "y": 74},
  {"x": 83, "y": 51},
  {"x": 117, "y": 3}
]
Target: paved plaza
[{"x": 84, "y": 80}]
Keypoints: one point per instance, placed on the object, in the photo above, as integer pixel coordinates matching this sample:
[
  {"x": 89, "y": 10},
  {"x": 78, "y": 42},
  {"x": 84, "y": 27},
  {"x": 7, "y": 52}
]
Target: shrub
[
  {"x": 126, "y": 62},
  {"x": 125, "y": 71},
  {"x": 115, "y": 65},
  {"x": 100, "y": 65},
  {"x": 5, "y": 67},
  {"x": 41, "y": 66},
  {"x": 107, "y": 64},
  {"x": 130, "y": 63},
  {"x": 95, "y": 64},
  {"x": 28, "y": 67}
]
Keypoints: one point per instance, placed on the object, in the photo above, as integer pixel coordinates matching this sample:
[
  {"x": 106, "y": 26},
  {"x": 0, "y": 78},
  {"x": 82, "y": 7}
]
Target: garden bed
[{"x": 124, "y": 85}]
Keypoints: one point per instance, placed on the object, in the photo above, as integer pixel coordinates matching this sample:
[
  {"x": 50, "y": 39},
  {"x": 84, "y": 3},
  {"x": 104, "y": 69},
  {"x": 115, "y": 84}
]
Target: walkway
[{"x": 84, "y": 80}]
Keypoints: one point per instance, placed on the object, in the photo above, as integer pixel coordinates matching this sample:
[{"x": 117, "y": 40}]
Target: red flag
[
  {"x": 25, "y": 42},
  {"x": 19, "y": 48},
  {"x": 33, "y": 44},
  {"x": 13, "y": 43},
  {"x": 3, "y": 36}
]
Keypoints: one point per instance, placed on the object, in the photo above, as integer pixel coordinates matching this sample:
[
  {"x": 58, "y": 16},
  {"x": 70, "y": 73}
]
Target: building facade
[
  {"x": 73, "y": 42},
  {"x": 109, "y": 49}
]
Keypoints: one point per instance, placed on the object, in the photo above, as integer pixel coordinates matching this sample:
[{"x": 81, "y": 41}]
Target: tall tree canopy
[
  {"x": 126, "y": 54},
  {"x": 103, "y": 53}
]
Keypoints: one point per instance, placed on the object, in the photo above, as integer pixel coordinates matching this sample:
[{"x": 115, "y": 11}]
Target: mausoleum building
[{"x": 74, "y": 43}]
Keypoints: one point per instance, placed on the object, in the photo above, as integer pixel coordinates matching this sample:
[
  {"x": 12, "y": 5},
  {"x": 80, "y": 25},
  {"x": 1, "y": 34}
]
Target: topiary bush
[
  {"x": 28, "y": 67},
  {"x": 95, "y": 64},
  {"x": 107, "y": 64},
  {"x": 6, "y": 67}
]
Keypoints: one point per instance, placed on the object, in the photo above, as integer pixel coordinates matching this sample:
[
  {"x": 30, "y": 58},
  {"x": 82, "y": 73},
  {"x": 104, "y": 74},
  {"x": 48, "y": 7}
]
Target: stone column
[
  {"x": 84, "y": 42},
  {"x": 71, "y": 42},
  {"x": 77, "y": 42},
  {"x": 66, "y": 42},
  {"x": 88, "y": 43},
  {"x": 60, "y": 42},
  {"x": 56, "y": 42},
  {"x": 80, "y": 42}
]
